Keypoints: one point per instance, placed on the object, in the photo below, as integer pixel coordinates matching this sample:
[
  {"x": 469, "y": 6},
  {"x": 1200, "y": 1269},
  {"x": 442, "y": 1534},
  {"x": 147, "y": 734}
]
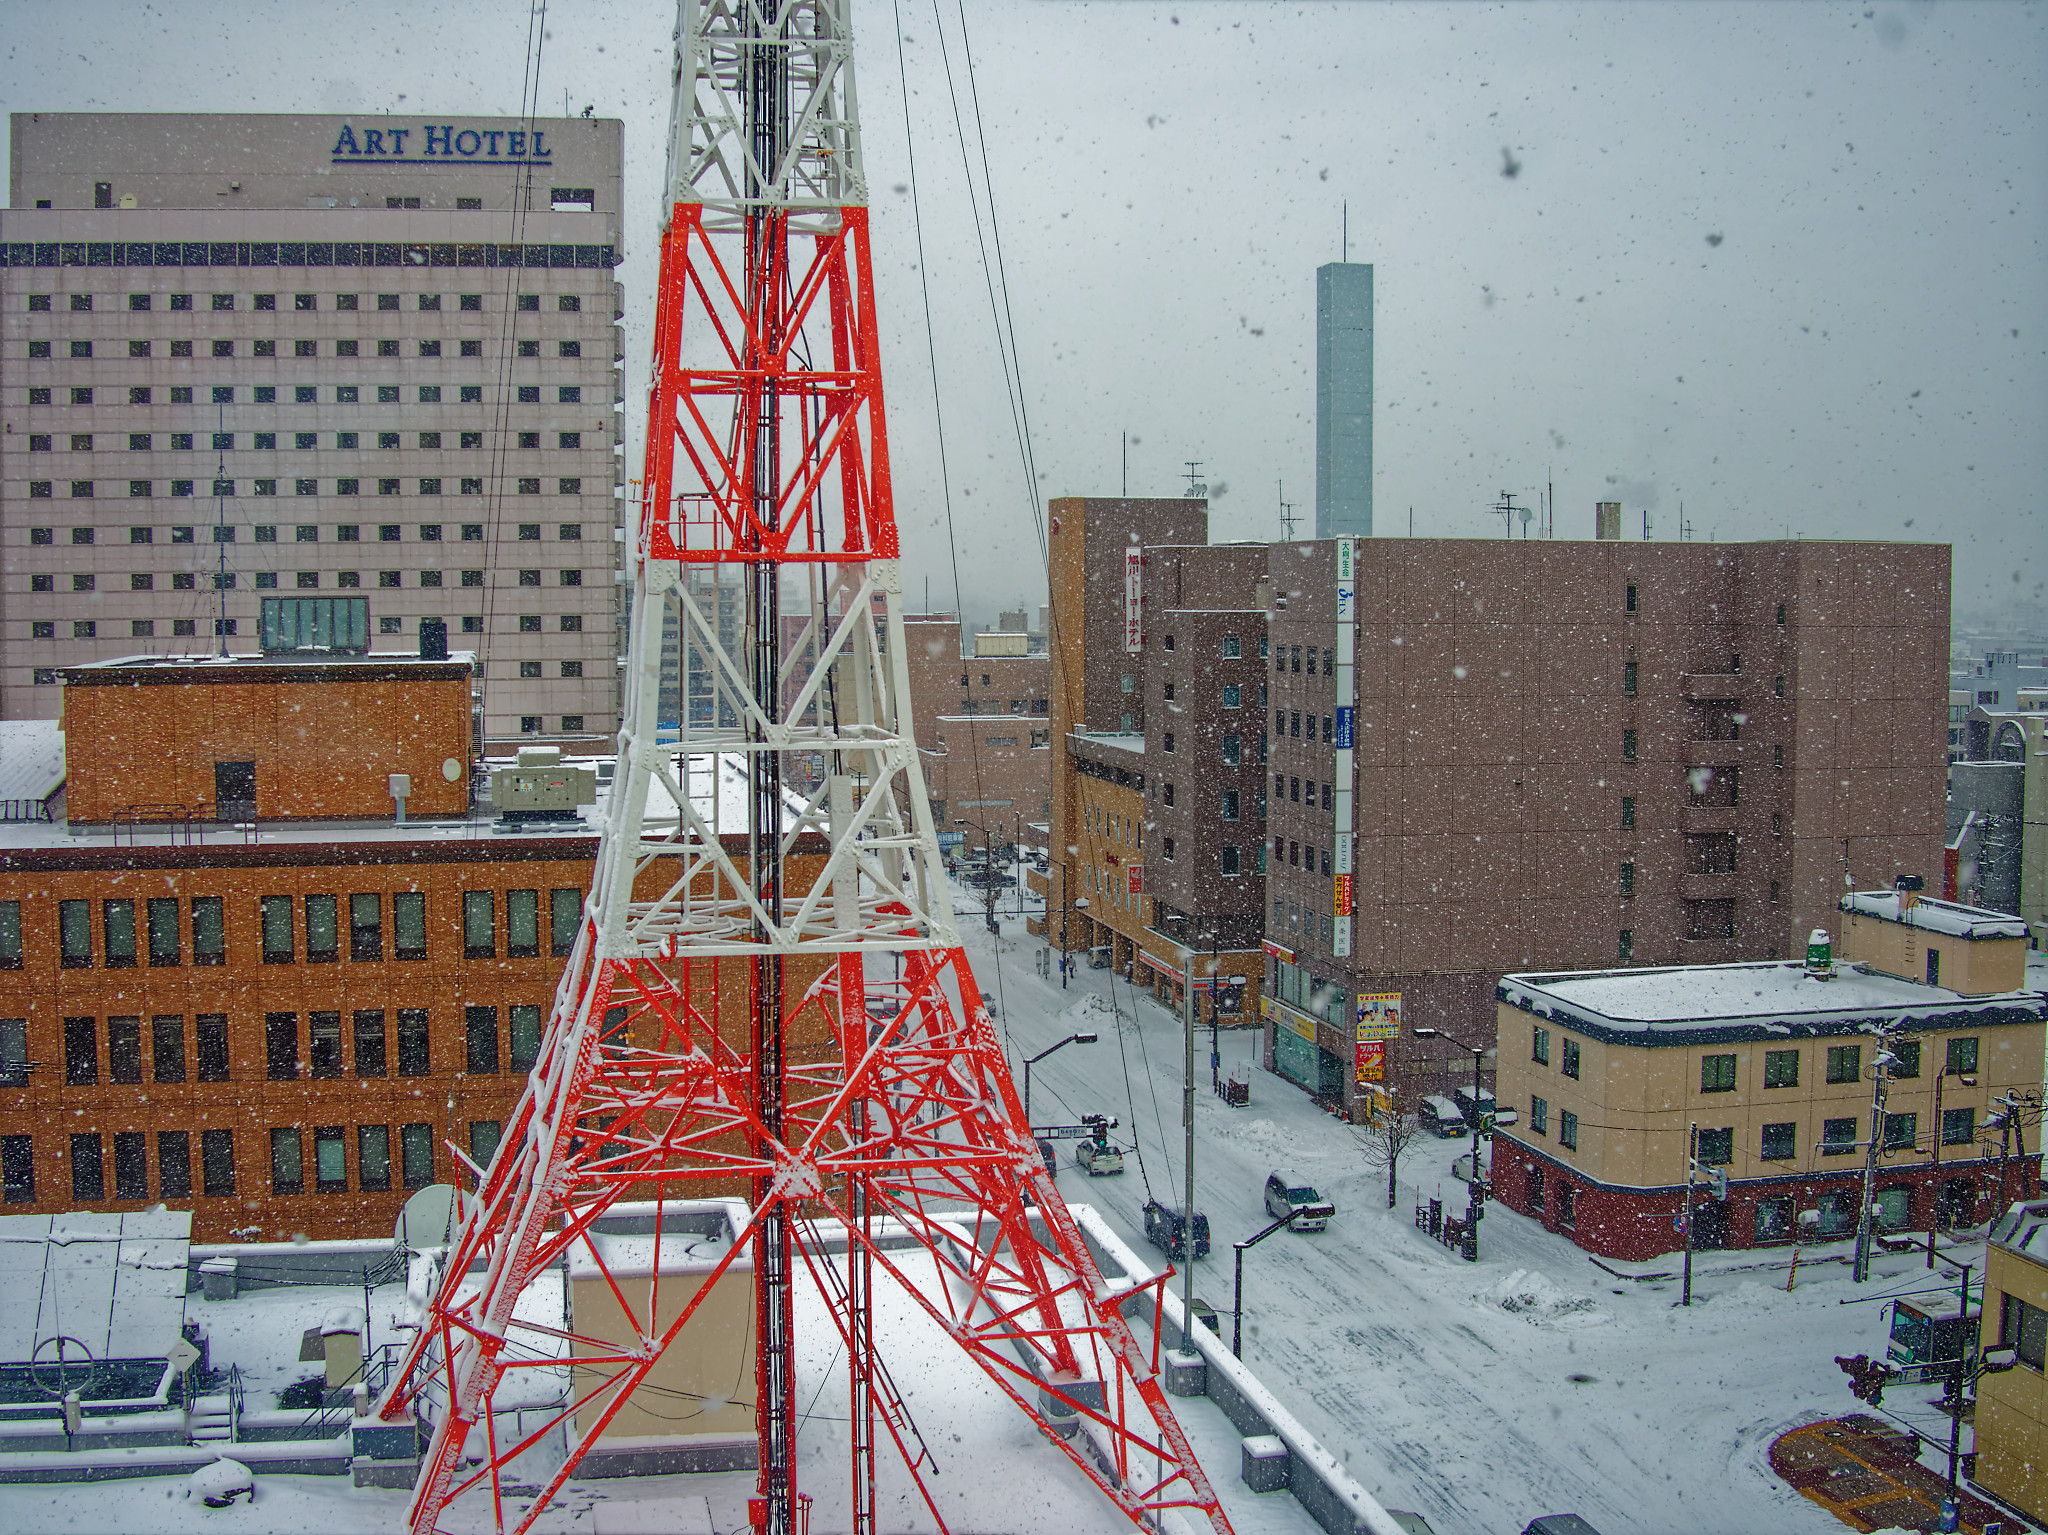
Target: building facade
[
  {"x": 1772, "y": 1066},
  {"x": 1344, "y": 400},
  {"x": 983, "y": 717},
  {"x": 246, "y": 355},
  {"x": 1581, "y": 754},
  {"x": 2011, "y": 1423}
]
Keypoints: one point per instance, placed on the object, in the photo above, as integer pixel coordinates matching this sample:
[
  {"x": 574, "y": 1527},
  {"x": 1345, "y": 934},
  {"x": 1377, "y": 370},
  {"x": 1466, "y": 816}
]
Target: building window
[
  {"x": 369, "y": 1042},
  {"x": 323, "y": 939},
  {"x": 209, "y": 931},
  {"x": 1905, "y": 1058},
  {"x": 117, "y": 929},
  {"x": 217, "y": 1163},
  {"x": 1539, "y": 1115},
  {"x": 330, "y": 1160},
  {"x": 2024, "y": 1329},
  {"x": 416, "y": 1155},
  {"x": 1228, "y": 802},
  {"x": 409, "y": 925},
  {"x": 281, "y": 1046},
  {"x": 287, "y": 1167},
  {"x": 1837, "y": 1137},
  {"x": 1845, "y": 1063},
  {"x": 1717, "y": 1147},
  {"x": 1628, "y": 811},
  {"x": 174, "y": 1164},
  {"x": 413, "y": 1045},
  {"x": 373, "y": 1157},
  {"x": 524, "y": 1027},
  {"x": 1570, "y": 1065},
  {"x": 167, "y": 1047},
  {"x": 1628, "y": 880},
  {"x": 479, "y": 924},
  {"x": 74, "y": 934},
  {"x": 278, "y": 939},
  {"x": 210, "y": 1047},
  {"x": 1568, "y": 1130},
  {"x": 1958, "y": 1126},
  {"x": 1962, "y": 1056},
  {"x": 1228, "y": 858},
  {"x": 124, "y": 1050},
  {"x": 1628, "y": 746},
  {"x": 1166, "y": 742},
  {"x": 1717, "y": 1073},
  {"x": 565, "y": 911},
  {"x": 522, "y": 923},
  {"x": 1900, "y": 1131},
  {"x": 323, "y": 1042},
  {"x": 1625, "y": 943},
  {"x": 1781, "y": 1068},
  {"x": 1232, "y": 696},
  {"x": 1539, "y": 1046},
  {"x": 1167, "y": 849},
  {"x": 1233, "y": 748},
  {"x": 480, "y": 1027},
  {"x": 88, "y": 1176},
  {"x": 483, "y": 1142},
  {"x": 365, "y": 927},
  {"x": 1628, "y": 678},
  {"x": 1780, "y": 1142},
  {"x": 18, "y": 1169}
]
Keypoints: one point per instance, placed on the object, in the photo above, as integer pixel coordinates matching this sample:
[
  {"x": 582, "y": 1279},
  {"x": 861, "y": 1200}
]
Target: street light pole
[
  {"x": 1474, "y": 1184},
  {"x": 1187, "y": 1115},
  {"x": 1033, "y": 1060},
  {"x": 1080, "y": 904},
  {"x": 1237, "y": 1299}
]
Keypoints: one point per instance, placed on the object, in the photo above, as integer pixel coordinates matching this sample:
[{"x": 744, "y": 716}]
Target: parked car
[
  {"x": 1286, "y": 1193},
  {"x": 1166, "y": 1228},
  {"x": 1559, "y": 1524},
  {"x": 1051, "y": 1162},
  {"x": 1441, "y": 1117},
  {"x": 1098, "y": 1158}
]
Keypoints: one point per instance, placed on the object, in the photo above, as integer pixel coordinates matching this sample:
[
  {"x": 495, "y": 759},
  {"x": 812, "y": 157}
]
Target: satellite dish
[
  {"x": 451, "y": 769},
  {"x": 430, "y": 1217}
]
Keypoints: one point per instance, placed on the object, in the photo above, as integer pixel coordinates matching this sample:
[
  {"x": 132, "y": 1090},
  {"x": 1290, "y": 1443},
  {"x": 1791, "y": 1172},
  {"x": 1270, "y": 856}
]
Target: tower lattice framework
[{"x": 771, "y": 997}]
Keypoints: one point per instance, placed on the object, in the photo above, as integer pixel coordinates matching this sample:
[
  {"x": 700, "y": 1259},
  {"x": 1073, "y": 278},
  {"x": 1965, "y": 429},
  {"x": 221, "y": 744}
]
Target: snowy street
[{"x": 1479, "y": 1395}]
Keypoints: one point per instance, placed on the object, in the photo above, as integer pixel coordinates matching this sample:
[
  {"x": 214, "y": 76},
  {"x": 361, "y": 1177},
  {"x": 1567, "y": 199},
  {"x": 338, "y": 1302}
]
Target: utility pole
[
  {"x": 1692, "y": 1162},
  {"x": 1879, "y": 1093},
  {"x": 1187, "y": 1119}
]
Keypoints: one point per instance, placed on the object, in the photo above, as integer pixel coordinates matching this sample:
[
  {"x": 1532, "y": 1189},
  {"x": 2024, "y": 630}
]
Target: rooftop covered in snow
[
  {"x": 1692, "y": 1004},
  {"x": 1949, "y": 917}
]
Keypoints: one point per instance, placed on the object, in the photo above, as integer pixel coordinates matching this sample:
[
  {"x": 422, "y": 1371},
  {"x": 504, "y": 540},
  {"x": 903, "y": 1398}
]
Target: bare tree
[{"x": 1385, "y": 1136}]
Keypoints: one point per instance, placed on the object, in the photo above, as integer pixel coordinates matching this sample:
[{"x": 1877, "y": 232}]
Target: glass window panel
[
  {"x": 373, "y": 1157},
  {"x": 287, "y": 1166},
  {"x": 525, "y": 1032},
  {"x": 409, "y": 924},
  {"x": 323, "y": 939}
]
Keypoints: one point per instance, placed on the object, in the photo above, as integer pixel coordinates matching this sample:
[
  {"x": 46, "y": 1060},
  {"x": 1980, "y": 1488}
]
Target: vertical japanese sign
[
  {"x": 1134, "y": 591},
  {"x": 1371, "y": 1061},
  {"x": 1347, "y": 673},
  {"x": 1137, "y": 878}
]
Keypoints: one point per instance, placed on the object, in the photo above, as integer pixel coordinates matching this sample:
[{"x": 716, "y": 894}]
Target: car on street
[
  {"x": 1441, "y": 1117},
  {"x": 1288, "y": 1195},
  {"x": 1045, "y": 1153},
  {"x": 1098, "y": 1158},
  {"x": 1166, "y": 1229}
]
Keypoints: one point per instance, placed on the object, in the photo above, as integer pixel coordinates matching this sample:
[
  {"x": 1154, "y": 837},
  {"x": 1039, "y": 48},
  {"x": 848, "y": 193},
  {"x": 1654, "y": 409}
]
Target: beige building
[
  {"x": 257, "y": 356},
  {"x": 1610, "y": 1071},
  {"x": 2012, "y": 1407}
]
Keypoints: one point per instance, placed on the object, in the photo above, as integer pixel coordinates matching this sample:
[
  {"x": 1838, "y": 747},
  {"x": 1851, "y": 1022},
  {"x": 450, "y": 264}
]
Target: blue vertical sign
[{"x": 1344, "y": 727}]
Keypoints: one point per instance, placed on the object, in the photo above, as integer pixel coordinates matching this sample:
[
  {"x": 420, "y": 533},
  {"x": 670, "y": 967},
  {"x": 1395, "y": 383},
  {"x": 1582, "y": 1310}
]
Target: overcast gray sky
[{"x": 1781, "y": 264}]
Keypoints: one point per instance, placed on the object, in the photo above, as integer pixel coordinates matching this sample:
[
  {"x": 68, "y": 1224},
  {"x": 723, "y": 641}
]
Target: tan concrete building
[
  {"x": 243, "y": 356},
  {"x": 983, "y": 720},
  {"x": 1610, "y": 1071},
  {"x": 2011, "y": 1425}
]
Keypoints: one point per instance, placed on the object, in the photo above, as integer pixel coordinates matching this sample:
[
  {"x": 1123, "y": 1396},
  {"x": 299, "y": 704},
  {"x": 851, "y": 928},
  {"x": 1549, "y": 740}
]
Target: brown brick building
[
  {"x": 288, "y": 1028},
  {"x": 983, "y": 723},
  {"x": 1567, "y": 754}
]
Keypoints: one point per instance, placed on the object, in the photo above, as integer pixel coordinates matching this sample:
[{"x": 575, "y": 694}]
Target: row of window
[
  {"x": 307, "y": 394},
  {"x": 1781, "y": 1067},
  {"x": 349, "y": 485},
  {"x": 1230, "y": 747},
  {"x": 303, "y": 347},
  {"x": 324, "y": 1047},
  {"x": 1287, "y": 722},
  {"x": 309, "y": 533},
  {"x": 162, "y": 930},
  {"x": 1232, "y": 647},
  {"x": 470, "y": 623},
  {"x": 1291, "y": 789},
  {"x": 1780, "y": 1142},
  {"x": 428, "y": 303},
  {"x": 144, "y": 442},
  {"x": 314, "y": 254},
  {"x": 174, "y": 1169},
  {"x": 266, "y": 580},
  {"x": 1288, "y": 658}
]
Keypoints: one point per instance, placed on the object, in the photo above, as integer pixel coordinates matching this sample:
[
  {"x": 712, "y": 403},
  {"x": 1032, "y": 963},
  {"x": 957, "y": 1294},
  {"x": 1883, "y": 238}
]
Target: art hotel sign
[{"x": 438, "y": 143}]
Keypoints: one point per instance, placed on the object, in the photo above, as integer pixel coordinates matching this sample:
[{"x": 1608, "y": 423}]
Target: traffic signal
[
  {"x": 1717, "y": 1180},
  {"x": 1867, "y": 1377}
]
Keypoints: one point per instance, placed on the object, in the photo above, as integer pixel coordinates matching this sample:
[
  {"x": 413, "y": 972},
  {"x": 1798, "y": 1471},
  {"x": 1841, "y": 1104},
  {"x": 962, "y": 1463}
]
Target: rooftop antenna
[
  {"x": 1550, "y": 502},
  {"x": 1507, "y": 509},
  {"x": 1127, "y": 465},
  {"x": 1684, "y": 527},
  {"x": 1287, "y": 517},
  {"x": 220, "y": 542},
  {"x": 1196, "y": 489},
  {"x": 1344, "y": 250},
  {"x": 1646, "y": 524}
]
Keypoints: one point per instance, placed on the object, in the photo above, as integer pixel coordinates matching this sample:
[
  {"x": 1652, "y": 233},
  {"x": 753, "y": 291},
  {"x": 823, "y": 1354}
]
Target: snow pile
[
  {"x": 1533, "y": 1296},
  {"x": 221, "y": 1483},
  {"x": 1263, "y": 1141}
]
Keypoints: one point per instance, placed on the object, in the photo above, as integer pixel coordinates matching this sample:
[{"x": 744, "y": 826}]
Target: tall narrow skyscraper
[{"x": 1344, "y": 400}]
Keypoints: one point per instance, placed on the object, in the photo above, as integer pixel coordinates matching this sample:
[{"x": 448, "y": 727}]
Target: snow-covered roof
[
  {"x": 1935, "y": 916},
  {"x": 2024, "y": 1229},
  {"x": 1132, "y": 742},
  {"x": 31, "y": 759},
  {"x": 114, "y": 1282},
  {"x": 1685, "y": 1003}
]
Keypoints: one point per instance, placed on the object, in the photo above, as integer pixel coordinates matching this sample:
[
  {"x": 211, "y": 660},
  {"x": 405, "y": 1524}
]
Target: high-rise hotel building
[{"x": 301, "y": 356}]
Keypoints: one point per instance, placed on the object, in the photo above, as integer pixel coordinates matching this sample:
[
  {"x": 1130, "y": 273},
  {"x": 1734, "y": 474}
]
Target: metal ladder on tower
[{"x": 724, "y": 1016}]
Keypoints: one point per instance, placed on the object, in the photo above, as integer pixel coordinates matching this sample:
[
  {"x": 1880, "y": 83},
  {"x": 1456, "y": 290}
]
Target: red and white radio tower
[{"x": 781, "y": 1008}]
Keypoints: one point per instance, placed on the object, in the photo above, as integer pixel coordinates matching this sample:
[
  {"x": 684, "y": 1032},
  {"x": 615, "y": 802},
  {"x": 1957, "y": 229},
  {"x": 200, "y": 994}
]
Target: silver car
[{"x": 1287, "y": 1195}]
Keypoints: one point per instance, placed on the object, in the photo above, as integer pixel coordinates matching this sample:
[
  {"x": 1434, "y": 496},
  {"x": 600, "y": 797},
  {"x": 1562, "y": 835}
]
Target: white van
[{"x": 1441, "y": 1117}]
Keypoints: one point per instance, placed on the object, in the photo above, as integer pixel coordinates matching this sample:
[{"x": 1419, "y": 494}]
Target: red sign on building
[
  {"x": 1343, "y": 895},
  {"x": 1137, "y": 878}
]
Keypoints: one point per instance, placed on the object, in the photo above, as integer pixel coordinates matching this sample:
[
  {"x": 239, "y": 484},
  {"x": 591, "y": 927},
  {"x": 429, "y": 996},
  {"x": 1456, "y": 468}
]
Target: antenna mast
[
  {"x": 783, "y": 1006},
  {"x": 1287, "y": 517}
]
